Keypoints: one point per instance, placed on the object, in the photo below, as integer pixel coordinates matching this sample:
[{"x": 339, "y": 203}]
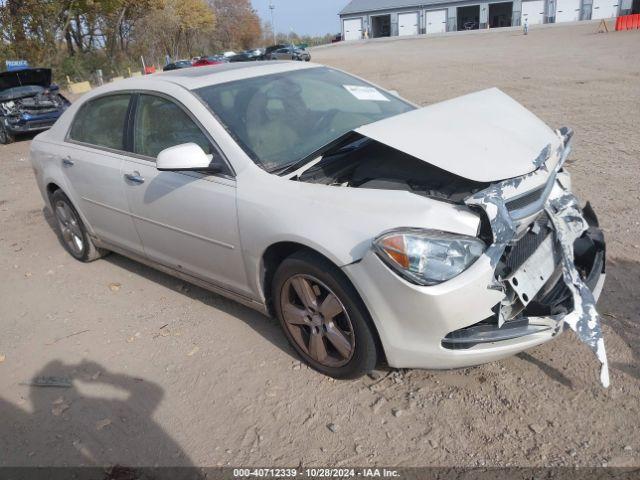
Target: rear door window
[{"x": 101, "y": 122}]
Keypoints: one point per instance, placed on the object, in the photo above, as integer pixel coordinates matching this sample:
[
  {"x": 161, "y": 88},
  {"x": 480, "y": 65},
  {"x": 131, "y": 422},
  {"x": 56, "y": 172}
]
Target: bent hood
[
  {"x": 28, "y": 76},
  {"x": 484, "y": 136}
]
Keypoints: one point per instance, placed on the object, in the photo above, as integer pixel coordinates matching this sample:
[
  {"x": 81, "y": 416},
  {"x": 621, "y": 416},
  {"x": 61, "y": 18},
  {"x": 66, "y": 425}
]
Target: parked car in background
[
  {"x": 269, "y": 50},
  {"x": 177, "y": 65},
  {"x": 248, "y": 56},
  {"x": 436, "y": 237},
  {"x": 29, "y": 102},
  {"x": 212, "y": 60},
  {"x": 291, "y": 53},
  {"x": 337, "y": 38}
]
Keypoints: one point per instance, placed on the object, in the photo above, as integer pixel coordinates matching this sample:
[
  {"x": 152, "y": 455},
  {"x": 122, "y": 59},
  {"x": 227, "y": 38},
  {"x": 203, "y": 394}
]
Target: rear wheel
[
  {"x": 6, "y": 136},
  {"x": 73, "y": 233},
  {"x": 323, "y": 317}
]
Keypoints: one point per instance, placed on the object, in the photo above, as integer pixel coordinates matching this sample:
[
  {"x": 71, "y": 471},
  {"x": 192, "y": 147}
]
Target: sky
[{"x": 306, "y": 17}]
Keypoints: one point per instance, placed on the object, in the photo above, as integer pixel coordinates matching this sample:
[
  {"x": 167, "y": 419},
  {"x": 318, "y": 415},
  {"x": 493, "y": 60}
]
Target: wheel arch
[{"x": 277, "y": 252}]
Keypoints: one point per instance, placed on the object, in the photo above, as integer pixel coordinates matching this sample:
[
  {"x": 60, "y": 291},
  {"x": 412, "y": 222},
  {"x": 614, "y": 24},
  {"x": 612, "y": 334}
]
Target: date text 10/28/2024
[{"x": 315, "y": 472}]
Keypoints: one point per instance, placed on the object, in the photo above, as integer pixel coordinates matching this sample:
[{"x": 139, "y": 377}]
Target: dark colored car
[
  {"x": 248, "y": 56},
  {"x": 337, "y": 38},
  {"x": 269, "y": 50},
  {"x": 213, "y": 60},
  {"x": 177, "y": 65},
  {"x": 29, "y": 102},
  {"x": 291, "y": 53}
]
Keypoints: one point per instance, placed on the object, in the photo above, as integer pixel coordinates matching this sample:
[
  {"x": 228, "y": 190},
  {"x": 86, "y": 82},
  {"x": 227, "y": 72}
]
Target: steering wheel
[{"x": 325, "y": 120}]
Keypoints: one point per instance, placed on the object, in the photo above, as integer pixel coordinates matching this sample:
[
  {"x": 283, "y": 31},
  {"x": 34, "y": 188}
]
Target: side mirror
[{"x": 187, "y": 156}]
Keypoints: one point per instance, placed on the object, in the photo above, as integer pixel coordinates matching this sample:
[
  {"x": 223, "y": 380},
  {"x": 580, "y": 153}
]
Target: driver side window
[{"x": 161, "y": 124}]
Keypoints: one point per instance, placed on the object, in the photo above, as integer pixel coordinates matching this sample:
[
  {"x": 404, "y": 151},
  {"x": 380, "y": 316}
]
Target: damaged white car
[{"x": 435, "y": 237}]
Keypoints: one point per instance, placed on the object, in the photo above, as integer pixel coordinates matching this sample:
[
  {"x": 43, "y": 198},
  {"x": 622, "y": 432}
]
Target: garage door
[
  {"x": 436, "y": 21},
  {"x": 567, "y": 11},
  {"x": 408, "y": 23},
  {"x": 353, "y": 29},
  {"x": 532, "y": 12},
  {"x": 604, "y": 9}
]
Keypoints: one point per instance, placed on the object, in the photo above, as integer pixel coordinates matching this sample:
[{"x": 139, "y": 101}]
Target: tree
[
  {"x": 178, "y": 26},
  {"x": 239, "y": 27}
]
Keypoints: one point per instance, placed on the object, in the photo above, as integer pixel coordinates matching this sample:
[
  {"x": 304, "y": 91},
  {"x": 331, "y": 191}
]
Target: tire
[
  {"x": 337, "y": 343},
  {"x": 6, "y": 137},
  {"x": 72, "y": 232}
]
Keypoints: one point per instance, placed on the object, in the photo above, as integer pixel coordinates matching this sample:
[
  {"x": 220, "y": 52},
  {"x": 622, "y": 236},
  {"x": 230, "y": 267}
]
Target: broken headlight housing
[{"x": 427, "y": 257}]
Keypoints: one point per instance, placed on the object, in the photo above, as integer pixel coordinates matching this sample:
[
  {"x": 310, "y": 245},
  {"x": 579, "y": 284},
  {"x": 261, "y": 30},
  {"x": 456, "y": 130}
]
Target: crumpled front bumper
[
  {"x": 26, "y": 123},
  {"x": 472, "y": 318}
]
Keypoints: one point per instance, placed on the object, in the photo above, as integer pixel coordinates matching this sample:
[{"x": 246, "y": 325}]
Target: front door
[
  {"x": 92, "y": 162},
  {"x": 187, "y": 220}
]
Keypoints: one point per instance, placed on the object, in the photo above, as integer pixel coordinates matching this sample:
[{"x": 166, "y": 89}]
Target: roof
[
  {"x": 196, "y": 77},
  {"x": 360, "y": 6}
]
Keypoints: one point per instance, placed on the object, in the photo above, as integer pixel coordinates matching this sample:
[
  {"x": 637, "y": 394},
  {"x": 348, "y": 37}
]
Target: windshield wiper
[{"x": 325, "y": 152}]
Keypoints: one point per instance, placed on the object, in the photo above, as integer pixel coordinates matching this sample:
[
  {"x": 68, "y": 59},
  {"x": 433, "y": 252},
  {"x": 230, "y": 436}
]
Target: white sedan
[{"x": 435, "y": 237}]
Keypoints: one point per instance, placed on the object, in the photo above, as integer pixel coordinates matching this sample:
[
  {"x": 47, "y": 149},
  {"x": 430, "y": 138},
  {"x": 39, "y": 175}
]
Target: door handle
[
  {"x": 134, "y": 177},
  {"x": 67, "y": 162}
]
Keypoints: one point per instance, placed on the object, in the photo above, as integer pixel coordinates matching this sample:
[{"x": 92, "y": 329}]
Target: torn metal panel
[
  {"x": 569, "y": 224},
  {"x": 492, "y": 201},
  {"x": 541, "y": 160},
  {"x": 565, "y": 213}
]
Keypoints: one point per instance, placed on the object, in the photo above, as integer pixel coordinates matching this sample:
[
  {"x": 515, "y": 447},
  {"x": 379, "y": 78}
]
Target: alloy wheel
[
  {"x": 317, "y": 321},
  {"x": 69, "y": 227}
]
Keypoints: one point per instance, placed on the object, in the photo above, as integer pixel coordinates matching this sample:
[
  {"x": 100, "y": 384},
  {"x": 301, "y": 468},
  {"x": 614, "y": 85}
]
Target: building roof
[{"x": 360, "y": 6}]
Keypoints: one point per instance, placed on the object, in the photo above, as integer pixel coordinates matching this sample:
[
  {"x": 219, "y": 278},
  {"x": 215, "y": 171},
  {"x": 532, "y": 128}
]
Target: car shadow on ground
[
  {"x": 84, "y": 415},
  {"x": 619, "y": 308},
  {"x": 268, "y": 327},
  {"x": 549, "y": 370}
]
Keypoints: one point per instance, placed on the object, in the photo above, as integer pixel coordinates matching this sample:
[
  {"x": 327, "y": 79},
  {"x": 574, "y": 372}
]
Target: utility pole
[{"x": 272, "y": 7}]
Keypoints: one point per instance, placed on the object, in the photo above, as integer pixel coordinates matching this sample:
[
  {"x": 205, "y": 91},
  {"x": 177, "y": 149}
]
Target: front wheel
[{"x": 322, "y": 316}]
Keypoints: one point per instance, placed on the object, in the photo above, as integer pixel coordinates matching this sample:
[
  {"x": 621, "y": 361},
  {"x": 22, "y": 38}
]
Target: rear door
[
  {"x": 408, "y": 23},
  {"x": 187, "y": 221},
  {"x": 532, "y": 12},
  {"x": 436, "y": 21},
  {"x": 92, "y": 165}
]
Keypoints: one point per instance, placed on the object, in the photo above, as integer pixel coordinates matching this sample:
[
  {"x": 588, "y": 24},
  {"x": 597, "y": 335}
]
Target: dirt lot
[{"x": 168, "y": 374}]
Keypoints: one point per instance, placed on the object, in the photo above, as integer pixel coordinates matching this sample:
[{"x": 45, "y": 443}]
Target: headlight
[{"x": 427, "y": 257}]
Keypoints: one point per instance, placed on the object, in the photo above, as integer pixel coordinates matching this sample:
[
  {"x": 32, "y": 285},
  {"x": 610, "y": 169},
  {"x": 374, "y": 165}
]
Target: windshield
[{"x": 281, "y": 119}]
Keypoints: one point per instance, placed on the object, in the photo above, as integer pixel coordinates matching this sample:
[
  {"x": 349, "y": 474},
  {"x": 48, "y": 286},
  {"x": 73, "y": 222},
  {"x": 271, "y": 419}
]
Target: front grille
[
  {"x": 525, "y": 200},
  {"x": 515, "y": 255}
]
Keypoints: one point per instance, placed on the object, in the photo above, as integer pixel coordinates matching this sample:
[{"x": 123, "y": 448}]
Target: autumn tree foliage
[{"x": 78, "y": 36}]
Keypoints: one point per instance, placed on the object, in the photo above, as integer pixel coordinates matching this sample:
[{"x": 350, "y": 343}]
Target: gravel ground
[{"x": 165, "y": 373}]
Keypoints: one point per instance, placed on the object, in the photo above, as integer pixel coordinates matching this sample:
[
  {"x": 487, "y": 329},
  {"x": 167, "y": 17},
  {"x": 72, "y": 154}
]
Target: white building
[{"x": 384, "y": 18}]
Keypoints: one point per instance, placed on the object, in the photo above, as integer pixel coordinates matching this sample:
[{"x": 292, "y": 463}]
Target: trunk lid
[{"x": 485, "y": 136}]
